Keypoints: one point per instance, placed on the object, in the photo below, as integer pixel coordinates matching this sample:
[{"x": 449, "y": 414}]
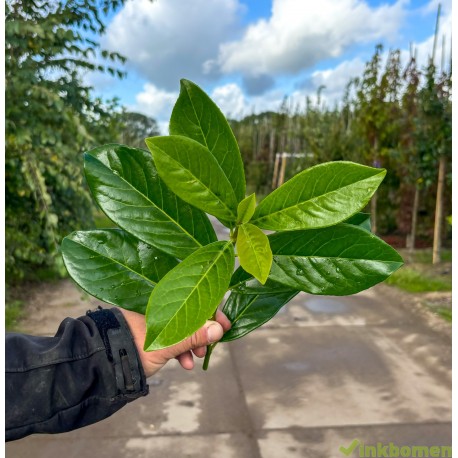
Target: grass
[
  {"x": 413, "y": 281},
  {"x": 426, "y": 256},
  {"x": 445, "y": 313},
  {"x": 13, "y": 313},
  {"x": 440, "y": 310},
  {"x": 419, "y": 275}
]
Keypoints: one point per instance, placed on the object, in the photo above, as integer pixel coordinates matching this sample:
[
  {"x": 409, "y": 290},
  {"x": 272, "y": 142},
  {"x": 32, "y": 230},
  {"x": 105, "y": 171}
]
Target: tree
[
  {"x": 136, "y": 127},
  {"x": 51, "y": 117},
  {"x": 436, "y": 106},
  {"x": 377, "y": 112}
]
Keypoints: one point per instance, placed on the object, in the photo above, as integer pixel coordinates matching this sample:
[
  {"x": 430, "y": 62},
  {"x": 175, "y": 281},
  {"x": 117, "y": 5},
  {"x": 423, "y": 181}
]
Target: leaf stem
[
  {"x": 233, "y": 235},
  {"x": 207, "y": 356}
]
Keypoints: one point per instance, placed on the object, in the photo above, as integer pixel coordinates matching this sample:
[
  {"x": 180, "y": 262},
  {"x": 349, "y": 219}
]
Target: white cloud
[
  {"x": 166, "y": 40},
  {"x": 300, "y": 34},
  {"x": 424, "y": 49},
  {"x": 156, "y": 103},
  {"x": 431, "y": 7},
  {"x": 336, "y": 79},
  {"x": 230, "y": 100}
]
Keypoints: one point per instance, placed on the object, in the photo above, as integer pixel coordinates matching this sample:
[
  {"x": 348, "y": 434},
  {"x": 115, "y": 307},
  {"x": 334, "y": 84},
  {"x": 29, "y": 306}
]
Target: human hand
[{"x": 152, "y": 361}]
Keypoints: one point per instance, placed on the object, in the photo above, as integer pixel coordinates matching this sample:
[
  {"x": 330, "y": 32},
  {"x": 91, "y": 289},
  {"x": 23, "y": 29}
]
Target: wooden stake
[
  {"x": 413, "y": 229},
  {"x": 275, "y": 177},
  {"x": 437, "y": 242},
  {"x": 282, "y": 170}
]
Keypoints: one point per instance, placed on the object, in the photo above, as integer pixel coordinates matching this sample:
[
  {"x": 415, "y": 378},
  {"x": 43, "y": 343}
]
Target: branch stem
[{"x": 207, "y": 356}]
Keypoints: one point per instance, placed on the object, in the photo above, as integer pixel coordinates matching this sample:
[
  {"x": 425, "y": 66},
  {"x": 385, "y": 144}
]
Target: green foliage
[
  {"x": 246, "y": 209},
  {"x": 138, "y": 191},
  {"x": 248, "y": 312},
  {"x": 125, "y": 183},
  {"x": 339, "y": 260},
  {"x": 188, "y": 295},
  {"x": 444, "y": 312},
  {"x": 196, "y": 116},
  {"x": 135, "y": 128},
  {"x": 318, "y": 197},
  {"x": 115, "y": 267},
  {"x": 13, "y": 313},
  {"x": 362, "y": 220},
  {"x": 193, "y": 173},
  {"x": 254, "y": 251},
  {"x": 413, "y": 281},
  {"x": 51, "y": 118},
  {"x": 392, "y": 116}
]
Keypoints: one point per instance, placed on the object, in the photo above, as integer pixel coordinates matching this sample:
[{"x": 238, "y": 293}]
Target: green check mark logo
[{"x": 347, "y": 451}]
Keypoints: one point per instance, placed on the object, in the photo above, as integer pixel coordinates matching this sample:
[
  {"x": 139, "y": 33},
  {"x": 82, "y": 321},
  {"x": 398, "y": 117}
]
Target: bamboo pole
[{"x": 436, "y": 33}]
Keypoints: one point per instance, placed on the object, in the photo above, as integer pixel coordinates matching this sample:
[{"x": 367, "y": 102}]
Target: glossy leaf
[
  {"x": 125, "y": 183},
  {"x": 362, "y": 220},
  {"x": 114, "y": 266},
  {"x": 246, "y": 209},
  {"x": 248, "y": 312},
  {"x": 338, "y": 260},
  {"x": 196, "y": 116},
  {"x": 188, "y": 295},
  {"x": 243, "y": 282},
  {"x": 321, "y": 196},
  {"x": 254, "y": 251},
  {"x": 193, "y": 174}
]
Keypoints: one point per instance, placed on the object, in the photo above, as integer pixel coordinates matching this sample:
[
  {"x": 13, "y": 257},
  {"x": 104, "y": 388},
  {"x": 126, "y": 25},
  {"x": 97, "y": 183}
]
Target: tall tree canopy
[
  {"x": 51, "y": 117},
  {"x": 136, "y": 127}
]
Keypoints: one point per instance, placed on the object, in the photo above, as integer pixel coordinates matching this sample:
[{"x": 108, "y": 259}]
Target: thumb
[{"x": 209, "y": 333}]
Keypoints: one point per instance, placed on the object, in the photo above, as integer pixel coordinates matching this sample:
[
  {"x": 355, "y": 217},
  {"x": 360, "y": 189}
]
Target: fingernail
[{"x": 214, "y": 332}]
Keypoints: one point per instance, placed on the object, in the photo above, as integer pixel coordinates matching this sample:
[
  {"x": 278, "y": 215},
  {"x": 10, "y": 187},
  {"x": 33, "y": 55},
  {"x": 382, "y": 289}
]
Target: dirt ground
[{"x": 47, "y": 304}]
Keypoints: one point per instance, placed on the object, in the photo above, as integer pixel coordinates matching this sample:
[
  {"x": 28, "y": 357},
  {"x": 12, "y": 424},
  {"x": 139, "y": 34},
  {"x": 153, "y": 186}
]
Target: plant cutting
[{"x": 165, "y": 260}]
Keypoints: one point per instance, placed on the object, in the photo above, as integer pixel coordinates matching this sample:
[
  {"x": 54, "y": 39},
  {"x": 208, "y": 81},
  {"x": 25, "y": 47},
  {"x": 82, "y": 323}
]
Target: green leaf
[
  {"x": 188, "y": 295},
  {"x": 339, "y": 260},
  {"x": 114, "y": 266},
  {"x": 193, "y": 174},
  {"x": 196, "y": 116},
  {"x": 363, "y": 220},
  {"x": 243, "y": 282},
  {"x": 254, "y": 252},
  {"x": 321, "y": 196},
  {"x": 246, "y": 209},
  {"x": 248, "y": 312},
  {"x": 125, "y": 183}
]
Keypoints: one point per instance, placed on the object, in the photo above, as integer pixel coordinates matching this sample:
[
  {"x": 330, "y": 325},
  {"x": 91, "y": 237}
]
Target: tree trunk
[
  {"x": 439, "y": 211},
  {"x": 374, "y": 213},
  {"x": 374, "y": 197},
  {"x": 413, "y": 229}
]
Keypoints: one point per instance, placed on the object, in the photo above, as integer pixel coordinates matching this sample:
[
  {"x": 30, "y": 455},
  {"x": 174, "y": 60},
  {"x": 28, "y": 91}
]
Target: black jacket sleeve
[{"x": 85, "y": 373}]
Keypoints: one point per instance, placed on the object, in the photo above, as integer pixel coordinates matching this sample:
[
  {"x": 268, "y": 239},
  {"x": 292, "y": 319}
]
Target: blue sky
[{"x": 249, "y": 54}]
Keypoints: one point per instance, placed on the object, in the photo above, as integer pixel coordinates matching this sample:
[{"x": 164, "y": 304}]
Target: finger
[
  {"x": 200, "y": 352},
  {"x": 211, "y": 332},
  {"x": 223, "y": 320},
  {"x": 186, "y": 360}
]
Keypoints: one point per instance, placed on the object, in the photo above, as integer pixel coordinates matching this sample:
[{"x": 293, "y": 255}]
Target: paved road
[{"x": 324, "y": 371}]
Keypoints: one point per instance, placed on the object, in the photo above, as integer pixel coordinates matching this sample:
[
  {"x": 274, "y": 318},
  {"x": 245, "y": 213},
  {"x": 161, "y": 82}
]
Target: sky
[{"x": 249, "y": 54}]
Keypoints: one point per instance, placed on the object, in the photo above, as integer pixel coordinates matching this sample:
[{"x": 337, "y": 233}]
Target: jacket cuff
[{"x": 121, "y": 352}]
